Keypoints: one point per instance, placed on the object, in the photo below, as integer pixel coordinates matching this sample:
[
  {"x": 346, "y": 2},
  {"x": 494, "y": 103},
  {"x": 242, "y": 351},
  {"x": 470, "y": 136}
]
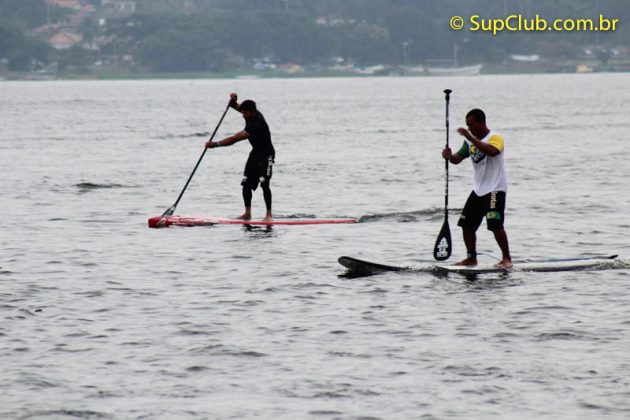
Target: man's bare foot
[
  {"x": 468, "y": 262},
  {"x": 505, "y": 264},
  {"x": 245, "y": 216},
  {"x": 267, "y": 218}
]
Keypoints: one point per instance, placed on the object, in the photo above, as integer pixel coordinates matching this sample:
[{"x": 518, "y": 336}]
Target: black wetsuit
[{"x": 259, "y": 166}]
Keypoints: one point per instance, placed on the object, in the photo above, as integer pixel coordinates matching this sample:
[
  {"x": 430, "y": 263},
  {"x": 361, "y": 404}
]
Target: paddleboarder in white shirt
[{"x": 486, "y": 150}]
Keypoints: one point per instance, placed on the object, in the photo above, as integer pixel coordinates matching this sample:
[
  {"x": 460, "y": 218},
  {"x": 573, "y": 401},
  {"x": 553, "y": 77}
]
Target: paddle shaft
[
  {"x": 171, "y": 209},
  {"x": 448, "y": 98},
  {"x": 443, "y": 244}
]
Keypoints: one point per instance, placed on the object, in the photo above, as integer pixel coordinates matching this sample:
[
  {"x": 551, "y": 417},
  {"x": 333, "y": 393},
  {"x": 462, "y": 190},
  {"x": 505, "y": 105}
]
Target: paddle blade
[{"x": 443, "y": 245}]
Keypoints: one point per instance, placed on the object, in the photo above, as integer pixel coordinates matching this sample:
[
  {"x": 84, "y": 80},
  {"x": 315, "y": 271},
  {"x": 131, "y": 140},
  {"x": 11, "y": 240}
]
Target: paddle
[
  {"x": 443, "y": 245},
  {"x": 171, "y": 210}
]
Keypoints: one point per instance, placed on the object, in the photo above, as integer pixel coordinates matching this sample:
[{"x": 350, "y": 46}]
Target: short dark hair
[
  {"x": 248, "y": 105},
  {"x": 477, "y": 114}
]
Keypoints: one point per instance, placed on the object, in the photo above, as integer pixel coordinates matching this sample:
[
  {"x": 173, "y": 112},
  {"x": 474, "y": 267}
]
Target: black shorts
[
  {"x": 491, "y": 206},
  {"x": 257, "y": 170}
]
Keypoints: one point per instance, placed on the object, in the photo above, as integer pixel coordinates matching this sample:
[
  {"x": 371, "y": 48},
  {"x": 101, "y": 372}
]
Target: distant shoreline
[
  {"x": 165, "y": 76},
  {"x": 121, "y": 75}
]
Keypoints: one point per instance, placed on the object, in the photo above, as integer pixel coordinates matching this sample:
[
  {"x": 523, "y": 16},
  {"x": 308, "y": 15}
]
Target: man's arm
[
  {"x": 234, "y": 102},
  {"x": 453, "y": 158},
  {"x": 228, "y": 141},
  {"x": 485, "y": 148}
]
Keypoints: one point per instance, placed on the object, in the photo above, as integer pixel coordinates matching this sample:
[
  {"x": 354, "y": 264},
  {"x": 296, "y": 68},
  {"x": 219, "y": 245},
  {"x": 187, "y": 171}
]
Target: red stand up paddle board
[{"x": 166, "y": 221}]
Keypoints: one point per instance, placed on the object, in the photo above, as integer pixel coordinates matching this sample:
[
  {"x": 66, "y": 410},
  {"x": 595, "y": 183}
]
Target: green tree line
[{"x": 219, "y": 33}]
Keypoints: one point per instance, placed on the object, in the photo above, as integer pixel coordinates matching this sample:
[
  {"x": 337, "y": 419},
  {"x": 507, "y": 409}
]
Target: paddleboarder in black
[
  {"x": 485, "y": 148},
  {"x": 259, "y": 166}
]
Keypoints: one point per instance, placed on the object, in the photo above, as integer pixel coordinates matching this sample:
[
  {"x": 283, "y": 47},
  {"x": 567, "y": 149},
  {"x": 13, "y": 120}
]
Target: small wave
[
  {"x": 221, "y": 350},
  {"x": 592, "y": 406},
  {"x": 619, "y": 264},
  {"x": 347, "y": 354},
  {"x": 325, "y": 413},
  {"x": 91, "y": 186},
  {"x": 62, "y": 414},
  {"x": 403, "y": 217},
  {"x": 331, "y": 395},
  {"x": 467, "y": 370},
  {"x": 202, "y": 134},
  {"x": 192, "y": 332},
  {"x": 196, "y": 368},
  {"x": 182, "y": 136},
  {"x": 297, "y": 216},
  {"x": 564, "y": 335}
]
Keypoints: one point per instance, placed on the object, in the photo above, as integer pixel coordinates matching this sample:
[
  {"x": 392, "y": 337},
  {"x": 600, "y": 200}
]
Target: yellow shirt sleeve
[{"x": 496, "y": 141}]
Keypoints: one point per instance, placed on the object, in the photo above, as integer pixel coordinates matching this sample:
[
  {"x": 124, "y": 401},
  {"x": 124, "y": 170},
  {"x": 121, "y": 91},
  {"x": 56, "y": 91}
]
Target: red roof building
[
  {"x": 67, "y": 4},
  {"x": 62, "y": 40}
]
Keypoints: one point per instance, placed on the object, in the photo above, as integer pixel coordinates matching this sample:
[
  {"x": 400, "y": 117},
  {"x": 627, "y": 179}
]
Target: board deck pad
[
  {"x": 166, "y": 221},
  {"x": 363, "y": 267},
  {"x": 575, "y": 264}
]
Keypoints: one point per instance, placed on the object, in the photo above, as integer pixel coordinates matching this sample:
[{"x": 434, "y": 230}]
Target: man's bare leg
[
  {"x": 502, "y": 241},
  {"x": 470, "y": 240},
  {"x": 247, "y": 215},
  {"x": 267, "y": 197}
]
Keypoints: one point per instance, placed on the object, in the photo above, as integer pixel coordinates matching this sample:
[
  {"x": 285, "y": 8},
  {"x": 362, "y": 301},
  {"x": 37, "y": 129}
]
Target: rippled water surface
[{"x": 105, "y": 318}]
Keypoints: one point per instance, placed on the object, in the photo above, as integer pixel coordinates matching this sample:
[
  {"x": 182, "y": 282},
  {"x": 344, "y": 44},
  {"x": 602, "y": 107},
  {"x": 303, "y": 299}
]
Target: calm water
[{"x": 105, "y": 318}]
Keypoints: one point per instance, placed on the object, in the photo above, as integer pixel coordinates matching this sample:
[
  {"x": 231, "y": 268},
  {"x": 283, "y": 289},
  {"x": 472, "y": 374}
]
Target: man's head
[
  {"x": 476, "y": 122},
  {"x": 248, "y": 108}
]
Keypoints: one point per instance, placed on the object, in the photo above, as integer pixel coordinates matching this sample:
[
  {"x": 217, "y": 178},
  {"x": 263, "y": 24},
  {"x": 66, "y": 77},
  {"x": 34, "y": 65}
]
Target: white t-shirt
[{"x": 489, "y": 171}]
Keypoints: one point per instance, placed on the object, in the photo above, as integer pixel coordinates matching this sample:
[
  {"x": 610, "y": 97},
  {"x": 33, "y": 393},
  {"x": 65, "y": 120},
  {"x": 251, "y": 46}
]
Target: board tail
[{"x": 360, "y": 268}]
